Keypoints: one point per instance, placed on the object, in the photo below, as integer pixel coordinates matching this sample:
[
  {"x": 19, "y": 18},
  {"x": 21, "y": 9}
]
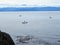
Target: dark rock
[
  {"x": 58, "y": 40},
  {"x": 5, "y": 39},
  {"x": 24, "y": 39}
]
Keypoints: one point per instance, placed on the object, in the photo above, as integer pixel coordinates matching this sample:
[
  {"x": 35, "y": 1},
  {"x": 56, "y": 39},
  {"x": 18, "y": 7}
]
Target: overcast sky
[{"x": 31, "y": 2}]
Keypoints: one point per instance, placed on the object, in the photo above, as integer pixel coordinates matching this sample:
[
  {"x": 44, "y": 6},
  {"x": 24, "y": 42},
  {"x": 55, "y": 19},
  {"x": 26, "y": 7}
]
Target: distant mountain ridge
[{"x": 30, "y": 9}]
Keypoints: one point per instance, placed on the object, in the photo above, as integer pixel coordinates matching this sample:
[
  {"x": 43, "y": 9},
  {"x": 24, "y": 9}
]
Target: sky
[{"x": 30, "y": 2}]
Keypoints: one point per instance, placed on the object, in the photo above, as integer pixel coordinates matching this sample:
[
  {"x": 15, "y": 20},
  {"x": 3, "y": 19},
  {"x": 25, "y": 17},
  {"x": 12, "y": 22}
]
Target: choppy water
[{"x": 42, "y": 24}]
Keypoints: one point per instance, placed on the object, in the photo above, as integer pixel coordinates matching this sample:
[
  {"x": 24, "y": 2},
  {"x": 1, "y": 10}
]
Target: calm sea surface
[{"x": 44, "y": 24}]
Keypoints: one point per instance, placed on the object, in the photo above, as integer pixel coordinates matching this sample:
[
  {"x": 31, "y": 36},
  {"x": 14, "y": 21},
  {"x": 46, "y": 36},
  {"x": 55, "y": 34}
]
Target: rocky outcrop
[
  {"x": 5, "y": 39},
  {"x": 30, "y": 40}
]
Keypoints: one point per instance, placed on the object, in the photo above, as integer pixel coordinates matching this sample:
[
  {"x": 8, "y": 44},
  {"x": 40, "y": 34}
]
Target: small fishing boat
[{"x": 24, "y": 22}]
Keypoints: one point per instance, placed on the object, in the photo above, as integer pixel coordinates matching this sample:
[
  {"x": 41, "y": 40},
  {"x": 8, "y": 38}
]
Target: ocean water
[{"x": 42, "y": 24}]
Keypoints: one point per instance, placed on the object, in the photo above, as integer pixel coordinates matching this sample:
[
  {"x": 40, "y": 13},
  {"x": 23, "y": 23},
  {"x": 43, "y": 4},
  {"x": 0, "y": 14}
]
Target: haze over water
[{"x": 44, "y": 24}]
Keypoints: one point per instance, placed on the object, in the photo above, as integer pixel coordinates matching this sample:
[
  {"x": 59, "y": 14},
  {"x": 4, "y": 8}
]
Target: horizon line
[{"x": 30, "y": 9}]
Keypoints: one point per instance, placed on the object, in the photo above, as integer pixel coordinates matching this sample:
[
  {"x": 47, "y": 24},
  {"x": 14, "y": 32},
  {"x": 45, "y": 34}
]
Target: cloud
[{"x": 23, "y": 3}]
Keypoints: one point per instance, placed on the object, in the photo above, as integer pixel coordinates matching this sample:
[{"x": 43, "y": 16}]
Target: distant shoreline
[{"x": 29, "y": 9}]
